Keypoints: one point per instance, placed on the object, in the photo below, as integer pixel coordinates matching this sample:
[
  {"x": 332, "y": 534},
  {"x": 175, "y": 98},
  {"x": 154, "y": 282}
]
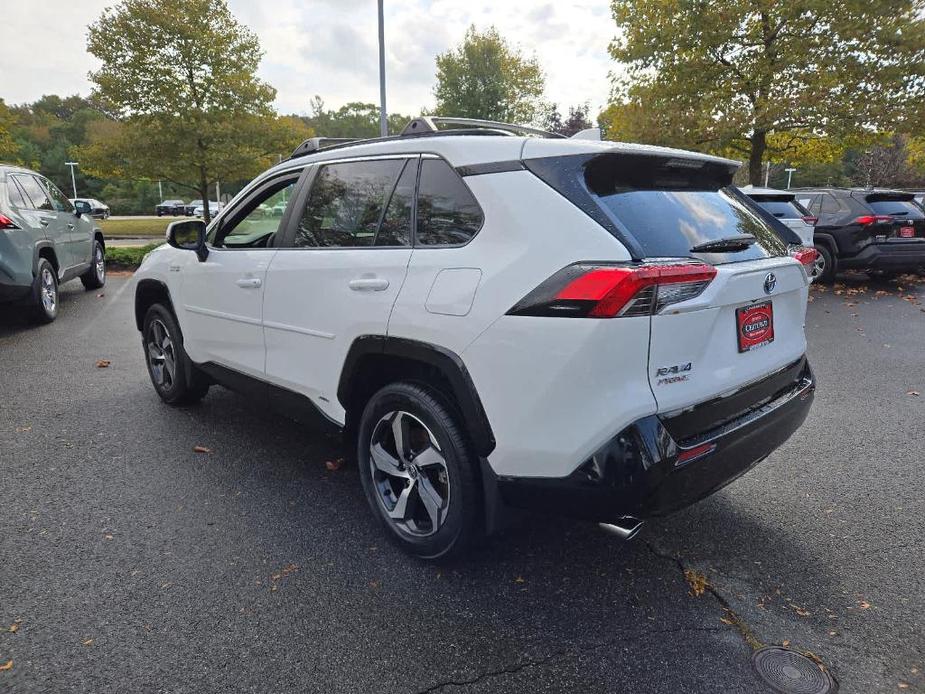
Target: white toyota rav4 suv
[{"x": 494, "y": 318}]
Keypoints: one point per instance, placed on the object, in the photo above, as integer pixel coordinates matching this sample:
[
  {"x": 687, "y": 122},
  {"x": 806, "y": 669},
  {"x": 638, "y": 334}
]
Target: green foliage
[
  {"x": 181, "y": 77},
  {"x": 486, "y": 78},
  {"x": 9, "y": 149},
  {"x": 127, "y": 258},
  {"x": 356, "y": 119},
  {"x": 739, "y": 74}
]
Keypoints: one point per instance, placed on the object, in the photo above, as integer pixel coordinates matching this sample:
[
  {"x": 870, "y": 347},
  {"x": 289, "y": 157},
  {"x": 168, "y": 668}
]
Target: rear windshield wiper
[{"x": 726, "y": 245}]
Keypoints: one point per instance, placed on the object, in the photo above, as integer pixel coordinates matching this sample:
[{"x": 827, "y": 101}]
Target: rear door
[
  {"x": 338, "y": 271},
  {"x": 748, "y": 322},
  {"x": 42, "y": 215}
]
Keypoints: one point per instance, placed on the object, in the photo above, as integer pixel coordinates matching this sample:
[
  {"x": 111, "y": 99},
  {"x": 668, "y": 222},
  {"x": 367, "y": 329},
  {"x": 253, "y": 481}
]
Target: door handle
[
  {"x": 70, "y": 226},
  {"x": 249, "y": 283},
  {"x": 43, "y": 222},
  {"x": 369, "y": 284}
]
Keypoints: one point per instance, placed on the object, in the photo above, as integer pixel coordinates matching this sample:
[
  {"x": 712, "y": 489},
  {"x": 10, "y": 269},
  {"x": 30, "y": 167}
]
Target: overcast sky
[{"x": 329, "y": 47}]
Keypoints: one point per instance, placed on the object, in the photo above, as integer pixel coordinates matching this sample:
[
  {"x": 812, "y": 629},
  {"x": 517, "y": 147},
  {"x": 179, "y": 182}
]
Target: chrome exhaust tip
[{"x": 626, "y": 528}]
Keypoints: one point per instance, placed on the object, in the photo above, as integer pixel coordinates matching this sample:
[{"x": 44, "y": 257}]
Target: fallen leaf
[
  {"x": 374, "y": 584},
  {"x": 785, "y": 644},
  {"x": 88, "y": 642},
  {"x": 726, "y": 621},
  {"x": 14, "y": 628},
  {"x": 902, "y": 685},
  {"x": 103, "y": 363},
  {"x": 800, "y": 611},
  {"x": 23, "y": 430},
  {"x": 107, "y": 536},
  {"x": 520, "y": 579},
  {"x": 864, "y": 605},
  {"x": 201, "y": 449},
  {"x": 697, "y": 581},
  {"x": 8, "y": 665},
  {"x": 913, "y": 393},
  {"x": 101, "y": 295},
  {"x": 334, "y": 465}
]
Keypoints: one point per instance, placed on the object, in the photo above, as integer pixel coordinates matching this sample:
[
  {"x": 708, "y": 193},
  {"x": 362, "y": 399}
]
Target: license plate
[
  {"x": 755, "y": 325},
  {"x": 906, "y": 232}
]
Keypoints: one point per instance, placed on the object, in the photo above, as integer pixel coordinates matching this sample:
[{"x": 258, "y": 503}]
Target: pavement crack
[
  {"x": 561, "y": 653},
  {"x": 731, "y": 618}
]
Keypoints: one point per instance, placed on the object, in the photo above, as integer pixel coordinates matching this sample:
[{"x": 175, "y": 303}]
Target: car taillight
[
  {"x": 806, "y": 256},
  {"x": 596, "y": 290},
  {"x": 7, "y": 223},
  {"x": 868, "y": 219},
  {"x": 809, "y": 219}
]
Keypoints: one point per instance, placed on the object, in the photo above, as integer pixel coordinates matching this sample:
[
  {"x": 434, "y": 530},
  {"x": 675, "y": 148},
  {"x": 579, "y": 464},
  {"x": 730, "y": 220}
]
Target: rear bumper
[
  {"x": 645, "y": 472},
  {"x": 895, "y": 254}
]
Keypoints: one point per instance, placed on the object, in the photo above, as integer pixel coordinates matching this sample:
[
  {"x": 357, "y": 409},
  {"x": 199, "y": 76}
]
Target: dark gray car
[{"x": 44, "y": 241}]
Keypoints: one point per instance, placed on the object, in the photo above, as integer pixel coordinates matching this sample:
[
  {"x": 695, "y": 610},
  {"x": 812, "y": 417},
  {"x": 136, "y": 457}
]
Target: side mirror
[
  {"x": 82, "y": 207},
  {"x": 189, "y": 235}
]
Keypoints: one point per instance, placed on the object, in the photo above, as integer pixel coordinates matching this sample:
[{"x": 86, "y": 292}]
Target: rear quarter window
[
  {"x": 448, "y": 214},
  {"x": 902, "y": 209}
]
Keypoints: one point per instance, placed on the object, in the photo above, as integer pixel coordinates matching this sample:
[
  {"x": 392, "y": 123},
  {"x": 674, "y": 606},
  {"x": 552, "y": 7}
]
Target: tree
[
  {"x": 9, "y": 149},
  {"x": 180, "y": 75},
  {"x": 356, "y": 119},
  {"x": 740, "y": 74},
  {"x": 577, "y": 120},
  {"x": 485, "y": 78}
]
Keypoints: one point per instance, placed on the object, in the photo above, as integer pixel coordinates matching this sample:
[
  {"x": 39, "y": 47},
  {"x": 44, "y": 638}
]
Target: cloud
[{"x": 330, "y": 47}]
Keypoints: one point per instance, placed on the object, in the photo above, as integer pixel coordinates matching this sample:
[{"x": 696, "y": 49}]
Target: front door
[
  {"x": 77, "y": 231},
  {"x": 223, "y": 296},
  {"x": 338, "y": 272}
]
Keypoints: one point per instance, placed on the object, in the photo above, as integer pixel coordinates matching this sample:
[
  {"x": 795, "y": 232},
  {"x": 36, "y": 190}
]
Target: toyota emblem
[{"x": 769, "y": 283}]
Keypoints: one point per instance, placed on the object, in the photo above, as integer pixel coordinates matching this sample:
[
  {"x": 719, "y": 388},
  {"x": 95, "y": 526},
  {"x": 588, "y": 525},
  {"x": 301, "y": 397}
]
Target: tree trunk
[{"x": 759, "y": 144}]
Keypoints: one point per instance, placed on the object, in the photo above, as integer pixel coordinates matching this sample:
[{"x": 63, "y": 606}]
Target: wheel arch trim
[
  {"x": 447, "y": 362},
  {"x": 146, "y": 288}
]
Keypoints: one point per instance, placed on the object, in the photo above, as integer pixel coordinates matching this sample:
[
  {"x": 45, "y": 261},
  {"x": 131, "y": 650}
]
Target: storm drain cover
[{"x": 790, "y": 672}]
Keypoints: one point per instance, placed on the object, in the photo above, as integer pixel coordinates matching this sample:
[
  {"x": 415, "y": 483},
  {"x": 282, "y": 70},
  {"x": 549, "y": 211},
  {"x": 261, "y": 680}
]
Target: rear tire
[
  {"x": 95, "y": 277},
  {"x": 44, "y": 303},
  {"x": 173, "y": 375},
  {"x": 825, "y": 266},
  {"x": 424, "y": 489}
]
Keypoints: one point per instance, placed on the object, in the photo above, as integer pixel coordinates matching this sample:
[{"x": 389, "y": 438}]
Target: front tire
[
  {"x": 44, "y": 305},
  {"x": 419, "y": 471},
  {"x": 174, "y": 377},
  {"x": 95, "y": 277}
]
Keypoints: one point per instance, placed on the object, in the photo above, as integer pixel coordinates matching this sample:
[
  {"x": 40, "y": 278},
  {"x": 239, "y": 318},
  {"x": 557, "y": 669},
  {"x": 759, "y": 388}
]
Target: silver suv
[{"x": 45, "y": 240}]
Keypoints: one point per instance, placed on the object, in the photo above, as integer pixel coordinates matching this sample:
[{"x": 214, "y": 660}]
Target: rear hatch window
[
  {"x": 673, "y": 206},
  {"x": 907, "y": 209},
  {"x": 782, "y": 209}
]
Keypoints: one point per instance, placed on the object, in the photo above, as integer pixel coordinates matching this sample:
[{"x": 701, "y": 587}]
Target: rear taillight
[
  {"x": 868, "y": 219},
  {"x": 809, "y": 219},
  {"x": 594, "y": 290},
  {"x": 7, "y": 223},
  {"x": 806, "y": 256}
]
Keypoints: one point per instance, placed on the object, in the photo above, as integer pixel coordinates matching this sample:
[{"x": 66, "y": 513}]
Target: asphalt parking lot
[{"x": 131, "y": 563}]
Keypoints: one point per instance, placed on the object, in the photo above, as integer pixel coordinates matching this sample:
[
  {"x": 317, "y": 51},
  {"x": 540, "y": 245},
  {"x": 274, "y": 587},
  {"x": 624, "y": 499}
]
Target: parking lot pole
[
  {"x": 72, "y": 164},
  {"x": 383, "y": 117}
]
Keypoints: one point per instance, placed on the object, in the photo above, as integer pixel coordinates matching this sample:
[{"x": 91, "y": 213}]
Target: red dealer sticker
[{"x": 755, "y": 325}]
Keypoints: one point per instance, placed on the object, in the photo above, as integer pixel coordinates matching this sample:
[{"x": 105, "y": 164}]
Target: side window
[
  {"x": 346, "y": 204},
  {"x": 17, "y": 199},
  {"x": 255, "y": 223},
  {"x": 448, "y": 214},
  {"x": 58, "y": 199},
  {"x": 395, "y": 229},
  {"x": 829, "y": 204},
  {"x": 34, "y": 191}
]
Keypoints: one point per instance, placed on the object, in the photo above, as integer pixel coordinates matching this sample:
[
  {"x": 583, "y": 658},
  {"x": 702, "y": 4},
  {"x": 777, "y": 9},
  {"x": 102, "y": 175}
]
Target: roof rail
[
  {"x": 430, "y": 124},
  {"x": 313, "y": 144}
]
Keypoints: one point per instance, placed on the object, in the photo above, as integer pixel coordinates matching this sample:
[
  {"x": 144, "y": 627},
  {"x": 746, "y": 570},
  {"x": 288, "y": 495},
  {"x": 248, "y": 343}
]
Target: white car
[
  {"x": 214, "y": 209},
  {"x": 783, "y": 204},
  {"x": 586, "y": 328}
]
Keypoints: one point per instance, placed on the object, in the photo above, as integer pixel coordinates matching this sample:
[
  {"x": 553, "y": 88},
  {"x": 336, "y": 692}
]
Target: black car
[
  {"x": 872, "y": 229},
  {"x": 171, "y": 208}
]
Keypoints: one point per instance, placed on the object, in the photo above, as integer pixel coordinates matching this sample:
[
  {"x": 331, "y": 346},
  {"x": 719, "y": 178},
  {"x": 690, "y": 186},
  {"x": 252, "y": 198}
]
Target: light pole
[
  {"x": 789, "y": 175},
  {"x": 160, "y": 191},
  {"x": 383, "y": 116},
  {"x": 72, "y": 164}
]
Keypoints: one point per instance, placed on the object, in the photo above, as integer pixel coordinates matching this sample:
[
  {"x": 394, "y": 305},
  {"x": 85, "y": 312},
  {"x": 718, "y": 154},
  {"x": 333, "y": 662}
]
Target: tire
[
  {"x": 174, "y": 377},
  {"x": 95, "y": 277},
  {"x": 44, "y": 304},
  {"x": 826, "y": 266},
  {"x": 435, "y": 475}
]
